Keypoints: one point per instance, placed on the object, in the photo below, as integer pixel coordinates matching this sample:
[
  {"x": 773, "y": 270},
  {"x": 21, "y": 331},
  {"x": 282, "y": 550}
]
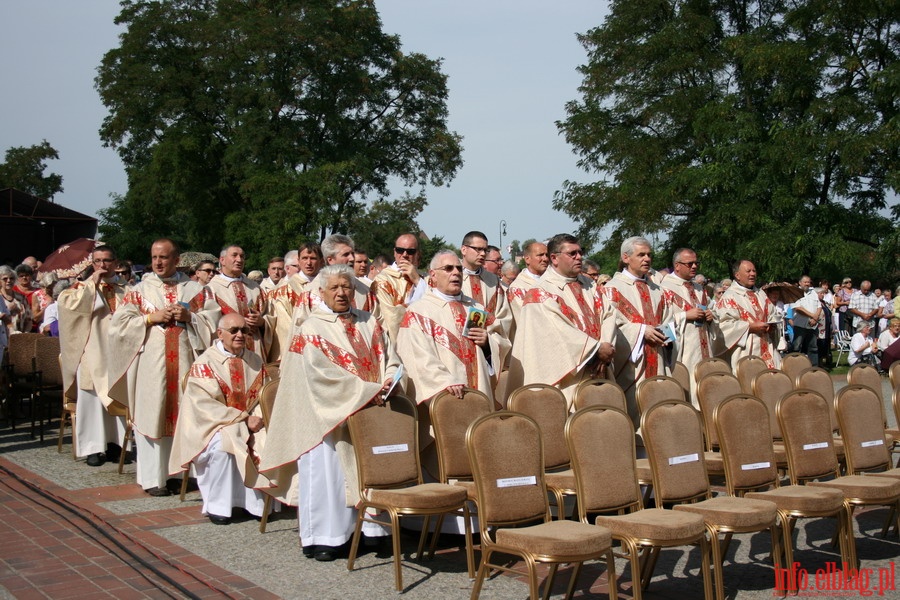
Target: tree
[
  {"x": 24, "y": 170},
  {"x": 759, "y": 129},
  {"x": 265, "y": 122}
]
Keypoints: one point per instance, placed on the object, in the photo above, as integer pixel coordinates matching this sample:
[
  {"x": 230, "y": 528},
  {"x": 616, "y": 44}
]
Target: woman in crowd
[
  {"x": 862, "y": 347},
  {"x": 18, "y": 306},
  {"x": 887, "y": 310},
  {"x": 42, "y": 298}
]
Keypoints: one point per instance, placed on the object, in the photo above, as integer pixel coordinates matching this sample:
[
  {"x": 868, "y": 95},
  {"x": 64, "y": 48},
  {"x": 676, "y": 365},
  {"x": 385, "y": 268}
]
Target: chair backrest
[
  {"x": 864, "y": 374},
  {"x": 548, "y": 407},
  {"x": 451, "y": 417},
  {"x": 601, "y": 444},
  {"x": 507, "y": 461},
  {"x": 745, "y": 441},
  {"x": 710, "y": 365},
  {"x": 894, "y": 373},
  {"x": 385, "y": 444},
  {"x": 673, "y": 436},
  {"x": 711, "y": 390},
  {"x": 808, "y": 438},
  {"x": 599, "y": 392},
  {"x": 795, "y": 363},
  {"x": 267, "y": 400},
  {"x": 273, "y": 370},
  {"x": 682, "y": 375},
  {"x": 46, "y": 360},
  {"x": 819, "y": 380},
  {"x": 770, "y": 386},
  {"x": 654, "y": 390},
  {"x": 862, "y": 429},
  {"x": 21, "y": 350},
  {"x": 746, "y": 369}
]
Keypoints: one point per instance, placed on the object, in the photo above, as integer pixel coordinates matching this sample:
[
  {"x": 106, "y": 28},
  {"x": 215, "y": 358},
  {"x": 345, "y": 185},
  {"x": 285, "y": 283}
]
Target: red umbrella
[
  {"x": 69, "y": 260},
  {"x": 786, "y": 292}
]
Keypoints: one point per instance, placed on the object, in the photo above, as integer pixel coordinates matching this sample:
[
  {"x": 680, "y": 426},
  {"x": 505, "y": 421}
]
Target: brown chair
[
  {"x": 750, "y": 470},
  {"x": 819, "y": 380},
  {"x": 770, "y": 386},
  {"x": 711, "y": 391},
  {"x": 674, "y": 436},
  {"x": 795, "y": 363},
  {"x": 867, "y": 375},
  {"x": 128, "y": 438},
  {"x": 859, "y": 415},
  {"x": 19, "y": 373},
  {"x": 67, "y": 417},
  {"x": 48, "y": 384},
  {"x": 450, "y": 418},
  {"x": 501, "y": 391},
  {"x": 601, "y": 443},
  {"x": 385, "y": 443},
  {"x": 894, "y": 374},
  {"x": 810, "y": 450},
  {"x": 506, "y": 452},
  {"x": 599, "y": 392},
  {"x": 266, "y": 402},
  {"x": 746, "y": 369},
  {"x": 710, "y": 365},
  {"x": 548, "y": 407},
  {"x": 681, "y": 374}
]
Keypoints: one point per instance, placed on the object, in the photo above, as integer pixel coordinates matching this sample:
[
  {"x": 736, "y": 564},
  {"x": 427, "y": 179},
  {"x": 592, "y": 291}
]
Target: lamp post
[{"x": 502, "y": 233}]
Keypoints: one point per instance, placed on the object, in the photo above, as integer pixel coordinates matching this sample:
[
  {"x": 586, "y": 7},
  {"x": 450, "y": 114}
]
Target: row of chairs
[{"x": 33, "y": 375}]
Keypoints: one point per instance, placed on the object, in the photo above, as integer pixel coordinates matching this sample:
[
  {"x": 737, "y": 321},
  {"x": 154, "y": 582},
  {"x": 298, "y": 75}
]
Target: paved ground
[{"x": 69, "y": 530}]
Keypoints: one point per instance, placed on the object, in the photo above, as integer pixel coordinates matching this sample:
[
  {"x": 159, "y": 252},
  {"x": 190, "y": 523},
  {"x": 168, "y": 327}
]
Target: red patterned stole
[
  {"x": 109, "y": 294},
  {"x": 586, "y": 319},
  {"x": 475, "y": 284},
  {"x": 647, "y": 315},
  {"x": 243, "y": 308},
  {"x": 461, "y": 347},
  {"x": 759, "y": 313},
  {"x": 237, "y": 394},
  {"x": 364, "y": 361}
]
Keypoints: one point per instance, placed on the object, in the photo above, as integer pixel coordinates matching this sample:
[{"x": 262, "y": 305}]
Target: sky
[{"x": 511, "y": 65}]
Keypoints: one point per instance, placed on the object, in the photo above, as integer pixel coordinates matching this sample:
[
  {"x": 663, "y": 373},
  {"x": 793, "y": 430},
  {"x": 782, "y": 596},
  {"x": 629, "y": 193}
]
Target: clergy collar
[
  {"x": 303, "y": 277},
  {"x": 563, "y": 277},
  {"x": 633, "y": 277},
  {"x": 221, "y": 348},
  {"x": 324, "y": 308},
  {"x": 528, "y": 272},
  {"x": 447, "y": 297},
  {"x": 229, "y": 279},
  {"x": 470, "y": 272},
  {"x": 735, "y": 284}
]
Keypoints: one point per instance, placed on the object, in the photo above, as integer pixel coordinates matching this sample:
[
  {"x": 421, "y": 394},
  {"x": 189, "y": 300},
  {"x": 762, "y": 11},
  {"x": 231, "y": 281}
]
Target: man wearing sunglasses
[
  {"x": 400, "y": 284},
  {"x": 566, "y": 329},
  {"x": 85, "y": 313},
  {"x": 163, "y": 323},
  {"x": 219, "y": 422},
  {"x": 693, "y": 317},
  {"x": 338, "y": 362}
]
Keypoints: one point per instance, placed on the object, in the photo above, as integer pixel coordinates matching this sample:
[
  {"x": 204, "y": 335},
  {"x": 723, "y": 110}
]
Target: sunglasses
[
  {"x": 407, "y": 251},
  {"x": 573, "y": 253},
  {"x": 450, "y": 268},
  {"x": 235, "y": 330},
  {"x": 693, "y": 263},
  {"x": 206, "y": 270}
]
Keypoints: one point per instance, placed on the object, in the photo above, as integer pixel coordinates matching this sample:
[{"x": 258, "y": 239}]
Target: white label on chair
[
  {"x": 516, "y": 481},
  {"x": 390, "y": 449},
  {"x": 754, "y": 466},
  {"x": 872, "y": 443},
  {"x": 815, "y": 446},
  {"x": 677, "y": 460}
]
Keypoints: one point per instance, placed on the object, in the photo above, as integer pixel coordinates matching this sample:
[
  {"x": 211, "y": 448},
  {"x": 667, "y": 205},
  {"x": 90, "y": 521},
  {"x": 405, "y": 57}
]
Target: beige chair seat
[
  {"x": 471, "y": 489},
  {"x": 891, "y": 434},
  {"x": 437, "y": 496},
  {"x": 556, "y": 538},
  {"x": 864, "y": 487},
  {"x": 657, "y": 524},
  {"x": 561, "y": 480},
  {"x": 734, "y": 513},
  {"x": 799, "y": 498},
  {"x": 715, "y": 464},
  {"x": 895, "y": 473}
]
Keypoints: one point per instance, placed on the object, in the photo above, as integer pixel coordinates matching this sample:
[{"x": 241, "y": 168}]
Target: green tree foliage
[
  {"x": 24, "y": 169},
  {"x": 264, "y": 122},
  {"x": 753, "y": 128}
]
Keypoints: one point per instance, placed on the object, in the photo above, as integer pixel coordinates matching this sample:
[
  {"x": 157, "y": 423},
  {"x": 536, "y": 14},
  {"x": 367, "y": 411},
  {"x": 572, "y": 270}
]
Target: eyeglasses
[
  {"x": 97, "y": 261},
  {"x": 235, "y": 330},
  {"x": 593, "y": 275},
  {"x": 477, "y": 249},
  {"x": 572, "y": 253},
  {"x": 407, "y": 251},
  {"x": 499, "y": 261},
  {"x": 450, "y": 268},
  {"x": 691, "y": 263},
  {"x": 206, "y": 270},
  {"x": 293, "y": 266}
]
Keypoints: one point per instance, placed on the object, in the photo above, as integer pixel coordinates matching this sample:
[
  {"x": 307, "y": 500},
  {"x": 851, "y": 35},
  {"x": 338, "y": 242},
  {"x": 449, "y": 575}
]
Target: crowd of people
[{"x": 188, "y": 352}]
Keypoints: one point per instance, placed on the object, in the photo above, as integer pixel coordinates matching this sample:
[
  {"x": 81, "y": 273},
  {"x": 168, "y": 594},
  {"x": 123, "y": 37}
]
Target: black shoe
[
  {"x": 174, "y": 485},
  {"x": 326, "y": 553},
  {"x": 309, "y": 551},
  {"x": 113, "y": 452},
  {"x": 217, "y": 520},
  {"x": 158, "y": 492},
  {"x": 95, "y": 460}
]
